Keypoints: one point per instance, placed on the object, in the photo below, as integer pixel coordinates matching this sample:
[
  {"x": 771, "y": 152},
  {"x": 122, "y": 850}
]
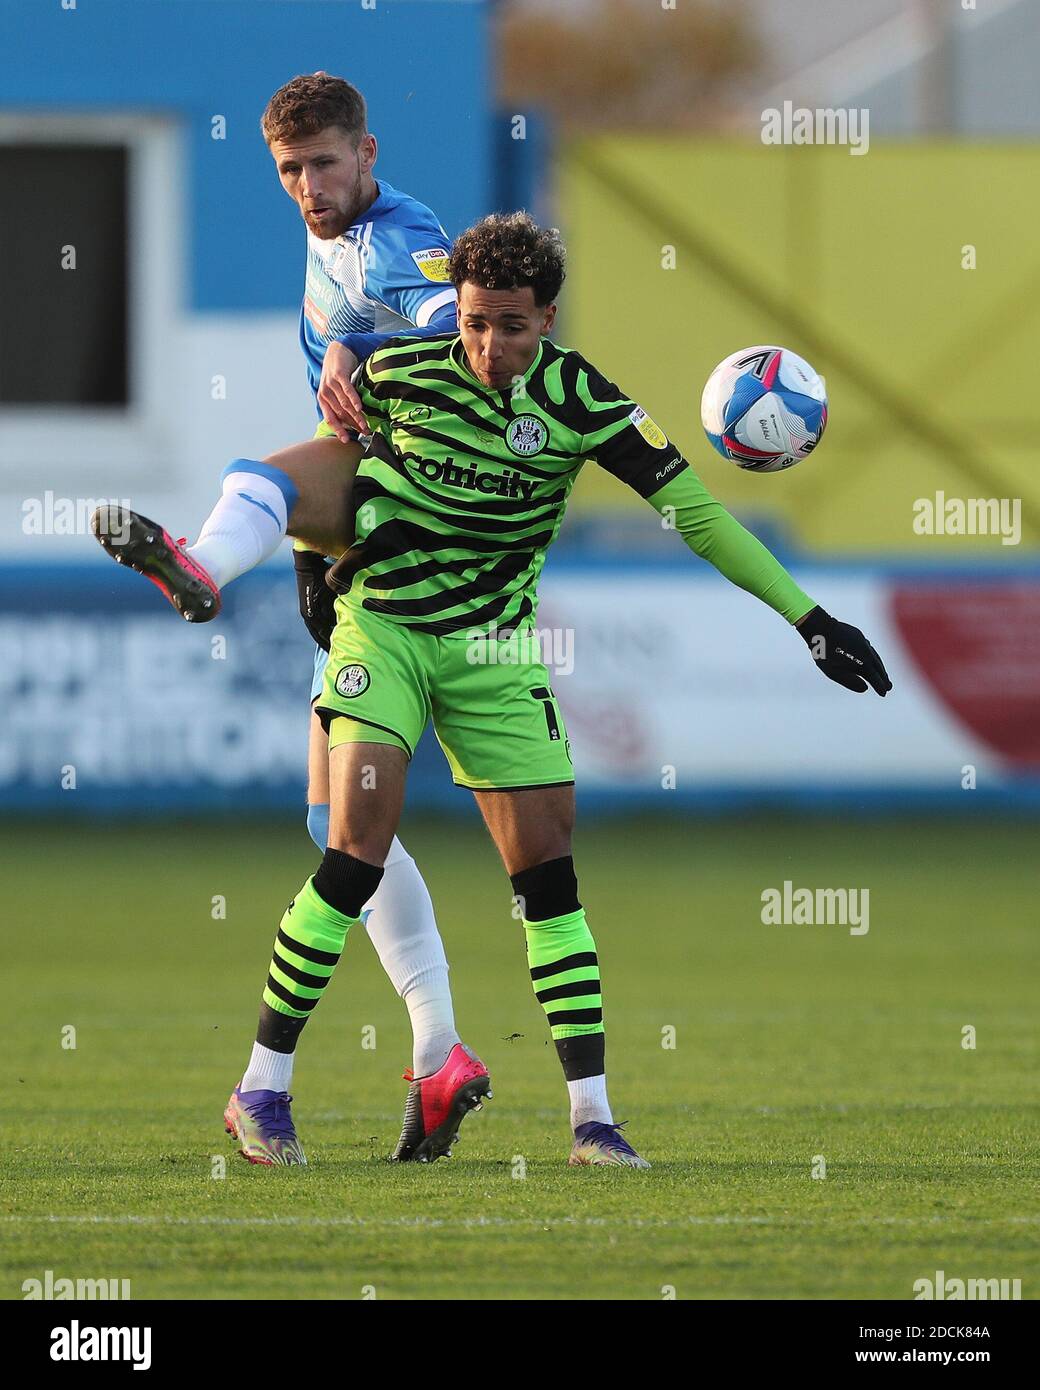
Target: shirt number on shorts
[{"x": 543, "y": 693}]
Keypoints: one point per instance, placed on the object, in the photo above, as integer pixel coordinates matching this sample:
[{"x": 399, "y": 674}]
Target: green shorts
[{"x": 493, "y": 709}]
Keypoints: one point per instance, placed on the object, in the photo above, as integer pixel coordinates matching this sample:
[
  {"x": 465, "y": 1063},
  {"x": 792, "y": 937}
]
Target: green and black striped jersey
[{"x": 464, "y": 487}]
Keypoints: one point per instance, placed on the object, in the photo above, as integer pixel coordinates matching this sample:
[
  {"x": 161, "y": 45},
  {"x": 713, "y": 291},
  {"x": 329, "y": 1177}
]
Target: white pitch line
[{"x": 500, "y": 1222}]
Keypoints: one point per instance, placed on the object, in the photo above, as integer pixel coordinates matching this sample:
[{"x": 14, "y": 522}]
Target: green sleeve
[{"x": 711, "y": 532}]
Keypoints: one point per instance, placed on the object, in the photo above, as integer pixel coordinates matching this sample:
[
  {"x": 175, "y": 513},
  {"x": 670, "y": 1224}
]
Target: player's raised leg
[
  {"x": 302, "y": 491},
  {"x": 532, "y": 830}
]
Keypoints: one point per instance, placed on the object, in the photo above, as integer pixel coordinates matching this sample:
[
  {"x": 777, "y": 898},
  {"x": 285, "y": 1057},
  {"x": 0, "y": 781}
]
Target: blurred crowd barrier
[{"x": 678, "y": 691}]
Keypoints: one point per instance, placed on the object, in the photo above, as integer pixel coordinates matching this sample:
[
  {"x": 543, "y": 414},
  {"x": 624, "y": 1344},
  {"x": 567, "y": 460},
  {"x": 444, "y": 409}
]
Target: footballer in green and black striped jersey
[
  {"x": 476, "y": 440},
  {"x": 464, "y": 487},
  {"x": 456, "y": 501}
]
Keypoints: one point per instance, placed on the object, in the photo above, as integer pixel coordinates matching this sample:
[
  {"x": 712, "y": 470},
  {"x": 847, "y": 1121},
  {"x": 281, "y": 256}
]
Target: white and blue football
[{"x": 764, "y": 408}]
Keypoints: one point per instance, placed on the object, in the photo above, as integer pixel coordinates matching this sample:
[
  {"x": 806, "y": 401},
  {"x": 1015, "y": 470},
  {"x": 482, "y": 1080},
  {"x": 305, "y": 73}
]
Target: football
[{"x": 764, "y": 408}]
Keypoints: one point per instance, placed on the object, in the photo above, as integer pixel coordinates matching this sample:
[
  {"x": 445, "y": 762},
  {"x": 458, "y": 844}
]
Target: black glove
[
  {"x": 843, "y": 654},
  {"x": 317, "y": 601}
]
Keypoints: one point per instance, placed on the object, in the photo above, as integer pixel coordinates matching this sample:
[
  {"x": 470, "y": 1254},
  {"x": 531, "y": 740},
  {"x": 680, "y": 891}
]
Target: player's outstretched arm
[
  {"x": 623, "y": 439},
  {"x": 840, "y": 651}
]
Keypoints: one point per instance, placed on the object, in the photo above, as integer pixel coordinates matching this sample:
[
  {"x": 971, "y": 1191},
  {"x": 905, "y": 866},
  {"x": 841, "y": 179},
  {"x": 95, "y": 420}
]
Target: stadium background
[
  {"x": 856, "y": 261},
  {"x": 698, "y": 726}
]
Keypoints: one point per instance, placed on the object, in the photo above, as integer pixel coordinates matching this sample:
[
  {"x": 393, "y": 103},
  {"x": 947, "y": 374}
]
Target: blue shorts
[{"x": 321, "y": 658}]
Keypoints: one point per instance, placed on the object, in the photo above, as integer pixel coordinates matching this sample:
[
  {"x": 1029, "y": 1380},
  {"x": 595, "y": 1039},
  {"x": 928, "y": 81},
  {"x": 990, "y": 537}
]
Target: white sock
[
  {"x": 589, "y": 1101},
  {"x": 403, "y": 929},
  {"x": 428, "y": 1000},
  {"x": 267, "y": 1070},
  {"x": 246, "y": 526}
]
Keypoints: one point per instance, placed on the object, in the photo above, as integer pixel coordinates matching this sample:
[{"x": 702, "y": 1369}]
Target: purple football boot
[
  {"x": 597, "y": 1144},
  {"x": 261, "y": 1121}
]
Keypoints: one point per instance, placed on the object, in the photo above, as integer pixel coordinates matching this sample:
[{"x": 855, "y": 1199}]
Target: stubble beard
[{"x": 329, "y": 228}]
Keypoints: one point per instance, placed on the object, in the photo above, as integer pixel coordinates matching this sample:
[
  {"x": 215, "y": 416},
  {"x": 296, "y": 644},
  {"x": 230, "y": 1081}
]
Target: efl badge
[
  {"x": 433, "y": 264},
  {"x": 646, "y": 427}
]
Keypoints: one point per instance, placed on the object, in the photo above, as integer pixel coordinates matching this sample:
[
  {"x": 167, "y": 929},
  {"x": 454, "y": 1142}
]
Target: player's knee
[
  {"x": 345, "y": 882},
  {"x": 318, "y": 825},
  {"x": 547, "y": 890},
  {"x": 370, "y": 843}
]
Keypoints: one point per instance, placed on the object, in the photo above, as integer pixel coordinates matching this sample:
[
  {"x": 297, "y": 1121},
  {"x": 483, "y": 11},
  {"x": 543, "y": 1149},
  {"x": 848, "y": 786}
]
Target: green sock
[
  {"x": 309, "y": 943},
  {"x": 565, "y": 972}
]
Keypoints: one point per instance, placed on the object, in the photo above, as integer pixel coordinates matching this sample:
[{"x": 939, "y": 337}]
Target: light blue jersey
[{"x": 386, "y": 274}]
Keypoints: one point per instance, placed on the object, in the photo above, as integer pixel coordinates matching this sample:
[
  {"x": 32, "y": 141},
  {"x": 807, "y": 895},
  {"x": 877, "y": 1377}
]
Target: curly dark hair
[
  {"x": 507, "y": 251},
  {"x": 310, "y": 104}
]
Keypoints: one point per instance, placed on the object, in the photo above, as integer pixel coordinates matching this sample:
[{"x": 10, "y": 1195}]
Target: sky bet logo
[{"x": 452, "y": 474}]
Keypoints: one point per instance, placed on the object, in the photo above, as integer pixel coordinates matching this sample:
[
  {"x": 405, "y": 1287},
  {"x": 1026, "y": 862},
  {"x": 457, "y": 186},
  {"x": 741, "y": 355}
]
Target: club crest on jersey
[
  {"x": 352, "y": 680},
  {"x": 433, "y": 264},
  {"x": 652, "y": 433},
  {"x": 527, "y": 435}
]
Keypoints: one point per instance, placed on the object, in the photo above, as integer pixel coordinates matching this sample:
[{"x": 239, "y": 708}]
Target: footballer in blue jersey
[
  {"x": 386, "y": 273},
  {"x": 377, "y": 262}
]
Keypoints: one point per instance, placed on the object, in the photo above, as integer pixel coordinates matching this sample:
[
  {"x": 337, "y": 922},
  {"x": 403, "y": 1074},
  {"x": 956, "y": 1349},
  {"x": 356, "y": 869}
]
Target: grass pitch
[{"x": 791, "y": 1043}]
